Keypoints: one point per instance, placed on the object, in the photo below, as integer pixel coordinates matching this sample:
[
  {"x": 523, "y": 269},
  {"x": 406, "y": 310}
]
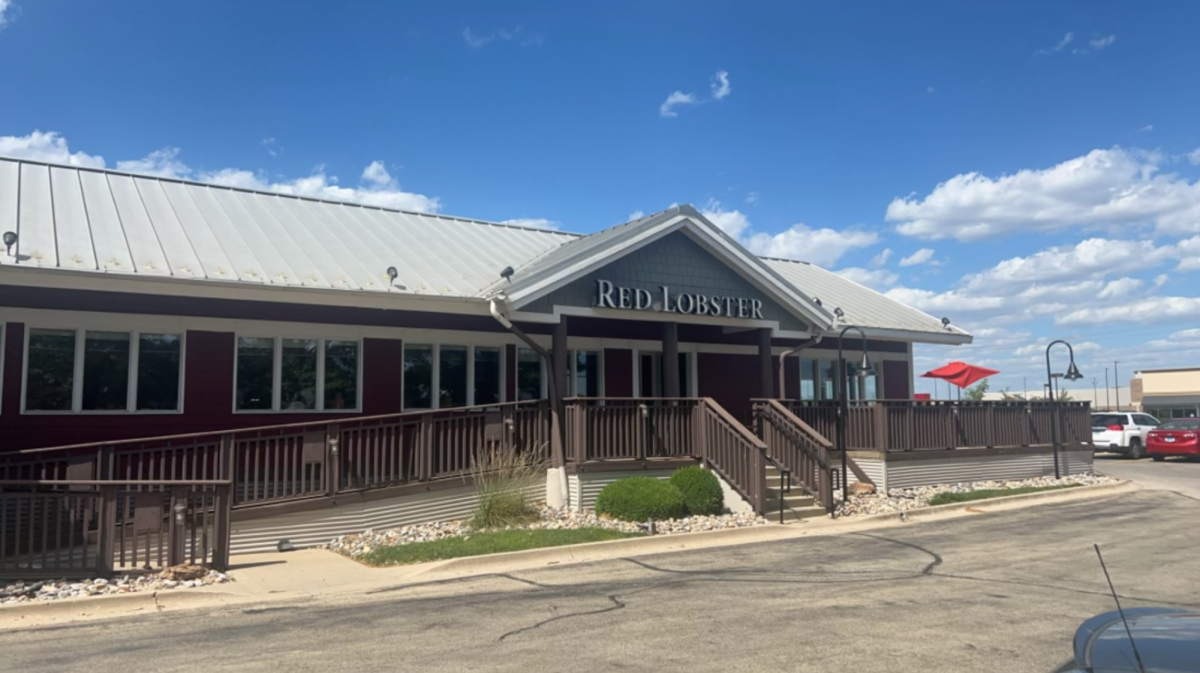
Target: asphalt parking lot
[
  {"x": 1178, "y": 475},
  {"x": 991, "y": 592}
]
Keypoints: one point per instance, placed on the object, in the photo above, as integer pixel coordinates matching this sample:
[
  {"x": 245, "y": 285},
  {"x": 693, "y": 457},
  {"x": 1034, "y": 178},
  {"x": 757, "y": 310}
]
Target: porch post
[
  {"x": 670, "y": 359},
  {"x": 556, "y": 495},
  {"x": 766, "y": 388}
]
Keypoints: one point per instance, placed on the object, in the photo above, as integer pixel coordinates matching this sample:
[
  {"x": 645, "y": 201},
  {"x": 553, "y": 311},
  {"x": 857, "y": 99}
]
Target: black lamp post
[
  {"x": 1071, "y": 375},
  {"x": 844, "y": 400}
]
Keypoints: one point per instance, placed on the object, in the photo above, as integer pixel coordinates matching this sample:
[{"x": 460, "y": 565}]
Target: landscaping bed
[
  {"x": 904, "y": 499},
  {"x": 181, "y": 577},
  {"x": 550, "y": 519},
  {"x": 487, "y": 542}
]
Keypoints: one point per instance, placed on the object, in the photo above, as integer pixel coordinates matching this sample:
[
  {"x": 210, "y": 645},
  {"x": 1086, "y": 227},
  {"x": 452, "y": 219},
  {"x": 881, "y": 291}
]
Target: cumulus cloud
[
  {"x": 5, "y": 13},
  {"x": 1099, "y": 43},
  {"x": 677, "y": 98},
  {"x": 876, "y": 279},
  {"x": 515, "y": 36},
  {"x": 635, "y": 215},
  {"x": 1121, "y": 287},
  {"x": 919, "y": 257},
  {"x": 1161, "y": 280},
  {"x": 378, "y": 187},
  {"x": 1193, "y": 157},
  {"x": 720, "y": 85},
  {"x": 1142, "y": 310},
  {"x": 732, "y": 222},
  {"x": 882, "y": 258},
  {"x": 1105, "y": 188},
  {"x": 47, "y": 146},
  {"x": 823, "y": 247}
]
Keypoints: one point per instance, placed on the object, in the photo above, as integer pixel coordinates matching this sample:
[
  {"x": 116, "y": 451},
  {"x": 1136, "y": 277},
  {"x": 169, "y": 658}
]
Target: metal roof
[
  {"x": 115, "y": 223},
  {"x": 863, "y": 306},
  {"x": 119, "y": 223}
]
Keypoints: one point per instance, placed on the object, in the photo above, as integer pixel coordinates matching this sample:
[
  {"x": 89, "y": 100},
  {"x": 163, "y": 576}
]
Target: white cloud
[
  {"x": 533, "y": 223},
  {"x": 732, "y": 222},
  {"x": 1062, "y": 44},
  {"x": 823, "y": 247},
  {"x": 720, "y": 85},
  {"x": 877, "y": 279},
  {"x": 269, "y": 144},
  {"x": 882, "y": 258},
  {"x": 516, "y": 36},
  {"x": 1161, "y": 280},
  {"x": 376, "y": 174},
  {"x": 163, "y": 163},
  {"x": 1193, "y": 157},
  {"x": 1090, "y": 259},
  {"x": 48, "y": 146},
  {"x": 1188, "y": 252},
  {"x": 1099, "y": 43},
  {"x": 919, "y": 257},
  {"x": 752, "y": 198},
  {"x": 5, "y": 17},
  {"x": 1105, "y": 188},
  {"x": 1146, "y": 129},
  {"x": 667, "y": 109},
  {"x": 1142, "y": 310},
  {"x": 1120, "y": 287},
  {"x": 635, "y": 215}
]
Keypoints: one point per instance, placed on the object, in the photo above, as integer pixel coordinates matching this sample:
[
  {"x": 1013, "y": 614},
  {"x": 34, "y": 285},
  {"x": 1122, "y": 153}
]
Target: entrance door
[{"x": 650, "y": 375}]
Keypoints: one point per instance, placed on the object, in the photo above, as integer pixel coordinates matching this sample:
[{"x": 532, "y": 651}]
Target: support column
[
  {"x": 558, "y": 347},
  {"x": 556, "y": 482},
  {"x": 766, "y": 387},
  {"x": 670, "y": 359}
]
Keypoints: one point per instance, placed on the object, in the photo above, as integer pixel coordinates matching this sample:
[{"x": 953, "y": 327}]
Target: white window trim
[
  {"x": 277, "y": 375},
  {"x": 435, "y": 377},
  {"x": 573, "y": 370},
  {"x": 77, "y": 383}
]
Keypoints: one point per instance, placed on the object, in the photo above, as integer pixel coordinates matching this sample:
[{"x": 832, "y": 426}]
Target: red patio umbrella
[{"x": 960, "y": 374}]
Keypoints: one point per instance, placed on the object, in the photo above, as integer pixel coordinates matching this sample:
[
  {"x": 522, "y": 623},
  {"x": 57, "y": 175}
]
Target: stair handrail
[{"x": 803, "y": 437}]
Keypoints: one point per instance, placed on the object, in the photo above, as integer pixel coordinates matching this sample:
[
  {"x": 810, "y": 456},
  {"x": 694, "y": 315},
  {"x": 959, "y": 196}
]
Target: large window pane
[
  {"x": 487, "y": 375},
  {"x": 158, "y": 371},
  {"x": 452, "y": 376},
  {"x": 255, "y": 372},
  {"x": 418, "y": 376},
  {"x": 808, "y": 379},
  {"x": 298, "y": 375},
  {"x": 105, "y": 371},
  {"x": 587, "y": 374},
  {"x": 860, "y": 388},
  {"x": 341, "y": 374},
  {"x": 50, "y": 371},
  {"x": 529, "y": 374},
  {"x": 829, "y": 377}
]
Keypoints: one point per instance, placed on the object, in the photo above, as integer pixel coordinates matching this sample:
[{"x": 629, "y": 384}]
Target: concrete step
[
  {"x": 793, "y": 500},
  {"x": 793, "y": 515}
]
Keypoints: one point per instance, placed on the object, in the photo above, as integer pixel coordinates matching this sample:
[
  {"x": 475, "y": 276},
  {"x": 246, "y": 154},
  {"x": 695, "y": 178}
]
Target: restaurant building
[{"x": 138, "y": 306}]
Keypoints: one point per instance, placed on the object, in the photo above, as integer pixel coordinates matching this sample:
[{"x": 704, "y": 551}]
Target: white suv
[{"x": 1122, "y": 432}]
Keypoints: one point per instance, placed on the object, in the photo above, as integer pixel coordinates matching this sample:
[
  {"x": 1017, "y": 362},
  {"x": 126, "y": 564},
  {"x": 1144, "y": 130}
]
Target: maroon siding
[
  {"x": 207, "y": 397},
  {"x": 729, "y": 379},
  {"x": 618, "y": 372},
  {"x": 895, "y": 380},
  {"x": 382, "y": 384},
  {"x": 510, "y": 374},
  {"x": 791, "y": 377}
]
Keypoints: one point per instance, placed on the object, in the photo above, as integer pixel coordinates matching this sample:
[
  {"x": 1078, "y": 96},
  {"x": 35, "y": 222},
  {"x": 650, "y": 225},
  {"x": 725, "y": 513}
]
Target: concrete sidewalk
[{"x": 318, "y": 574}]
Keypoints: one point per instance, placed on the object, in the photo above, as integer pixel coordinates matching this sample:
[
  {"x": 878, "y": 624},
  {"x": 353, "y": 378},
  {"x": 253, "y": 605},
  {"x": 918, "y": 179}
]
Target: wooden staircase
[{"x": 797, "y": 505}]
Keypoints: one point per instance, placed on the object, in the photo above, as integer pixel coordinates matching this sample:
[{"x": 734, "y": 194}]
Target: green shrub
[
  {"x": 702, "y": 494},
  {"x": 640, "y": 499}
]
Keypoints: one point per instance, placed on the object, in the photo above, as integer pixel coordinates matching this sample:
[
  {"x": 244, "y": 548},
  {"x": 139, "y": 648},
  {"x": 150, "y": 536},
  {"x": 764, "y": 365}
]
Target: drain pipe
[
  {"x": 559, "y": 458},
  {"x": 784, "y": 355}
]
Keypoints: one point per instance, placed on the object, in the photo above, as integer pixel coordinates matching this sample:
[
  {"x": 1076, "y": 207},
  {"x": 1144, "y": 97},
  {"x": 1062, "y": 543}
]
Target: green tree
[{"x": 976, "y": 391}]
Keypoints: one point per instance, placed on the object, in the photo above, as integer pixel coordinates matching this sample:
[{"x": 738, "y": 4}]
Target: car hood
[{"x": 1168, "y": 640}]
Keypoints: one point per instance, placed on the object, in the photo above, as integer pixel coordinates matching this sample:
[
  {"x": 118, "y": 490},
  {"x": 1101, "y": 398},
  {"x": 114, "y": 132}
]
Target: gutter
[
  {"x": 555, "y": 398},
  {"x": 794, "y": 349}
]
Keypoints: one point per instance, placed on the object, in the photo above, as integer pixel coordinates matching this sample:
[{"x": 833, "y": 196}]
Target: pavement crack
[
  {"x": 928, "y": 569},
  {"x": 616, "y": 605}
]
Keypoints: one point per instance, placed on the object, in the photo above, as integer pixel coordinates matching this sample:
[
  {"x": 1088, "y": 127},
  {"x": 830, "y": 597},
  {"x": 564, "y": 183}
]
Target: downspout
[
  {"x": 559, "y": 459},
  {"x": 784, "y": 355}
]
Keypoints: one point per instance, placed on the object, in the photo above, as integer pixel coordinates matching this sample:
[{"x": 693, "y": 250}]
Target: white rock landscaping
[
  {"x": 904, "y": 499},
  {"x": 358, "y": 544},
  {"x": 49, "y": 590}
]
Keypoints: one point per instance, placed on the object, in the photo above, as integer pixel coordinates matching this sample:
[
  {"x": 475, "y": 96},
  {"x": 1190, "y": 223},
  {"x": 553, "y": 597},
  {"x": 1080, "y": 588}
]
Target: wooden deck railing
[
  {"x": 611, "y": 428},
  {"x": 798, "y": 447},
  {"x": 918, "y": 425}
]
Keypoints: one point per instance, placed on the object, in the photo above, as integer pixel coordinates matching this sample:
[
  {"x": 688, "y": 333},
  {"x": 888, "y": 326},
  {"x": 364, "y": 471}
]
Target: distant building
[
  {"x": 1167, "y": 393},
  {"x": 1101, "y": 399}
]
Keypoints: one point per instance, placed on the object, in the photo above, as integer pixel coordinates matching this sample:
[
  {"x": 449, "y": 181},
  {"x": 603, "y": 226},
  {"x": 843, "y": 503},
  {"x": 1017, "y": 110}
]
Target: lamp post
[
  {"x": 1071, "y": 375},
  {"x": 844, "y": 400},
  {"x": 1117, "y": 384},
  {"x": 1107, "y": 398}
]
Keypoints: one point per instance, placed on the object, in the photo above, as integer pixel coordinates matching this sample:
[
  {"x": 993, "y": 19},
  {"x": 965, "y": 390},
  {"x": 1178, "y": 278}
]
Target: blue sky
[{"x": 1045, "y": 154}]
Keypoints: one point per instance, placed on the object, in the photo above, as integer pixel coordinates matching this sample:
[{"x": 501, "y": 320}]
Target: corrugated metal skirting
[
  {"x": 585, "y": 487},
  {"x": 927, "y": 472}
]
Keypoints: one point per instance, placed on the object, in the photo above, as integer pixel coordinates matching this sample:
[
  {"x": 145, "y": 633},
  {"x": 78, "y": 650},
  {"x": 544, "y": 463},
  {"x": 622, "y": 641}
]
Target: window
[
  {"x": 585, "y": 374},
  {"x": 86, "y": 370},
  {"x": 418, "y": 376},
  {"x": 452, "y": 376},
  {"x": 829, "y": 380},
  {"x": 1143, "y": 419},
  {"x": 1106, "y": 420},
  {"x": 808, "y": 379},
  {"x": 860, "y": 387},
  {"x": 1181, "y": 424},
  {"x": 487, "y": 375},
  {"x": 529, "y": 374},
  {"x": 289, "y": 374}
]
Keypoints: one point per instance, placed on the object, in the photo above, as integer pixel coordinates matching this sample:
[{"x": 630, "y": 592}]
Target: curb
[
  {"x": 133, "y": 602},
  {"x": 1077, "y": 493}
]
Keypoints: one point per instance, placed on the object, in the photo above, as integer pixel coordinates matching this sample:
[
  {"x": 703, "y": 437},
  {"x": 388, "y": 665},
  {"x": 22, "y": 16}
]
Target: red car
[{"x": 1180, "y": 437}]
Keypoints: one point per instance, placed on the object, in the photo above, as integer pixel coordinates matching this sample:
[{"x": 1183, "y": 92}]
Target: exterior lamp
[
  {"x": 866, "y": 369},
  {"x": 10, "y": 239},
  {"x": 1072, "y": 375}
]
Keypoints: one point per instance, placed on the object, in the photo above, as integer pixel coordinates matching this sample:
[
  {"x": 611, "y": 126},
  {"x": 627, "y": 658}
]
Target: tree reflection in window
[
  {"x": 255, "y": 372},
  {"x": 452, "y": 376},
  {"x": 50, "y": 370},
  {"x": 341, "y": 374},
  {"x": 418, "y": 376},
  {"x": 105, "y": 371},
  {"x": 158, "y": 372},
  {"x": 487, "y": 375},
  {"x": 529, "y": 374},
  {"x": 298, "y": 375}
]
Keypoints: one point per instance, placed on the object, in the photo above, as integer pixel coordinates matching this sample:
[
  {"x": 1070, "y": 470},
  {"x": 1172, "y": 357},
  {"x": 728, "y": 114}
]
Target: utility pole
[
  {"x": 1025, "y": 386},
  {"x": 1107, "y": 397},
  {"x": 1116, "y": 385},
  {"x": 1095, "y": 395}
]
